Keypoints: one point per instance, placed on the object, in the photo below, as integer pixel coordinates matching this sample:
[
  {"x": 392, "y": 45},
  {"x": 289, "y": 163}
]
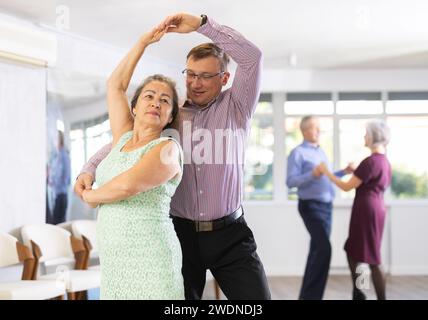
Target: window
[
  {"x": 407, "y": 103},
  {"x": 77, "y": 152},
  {"x": 359, "y": 103},
  {"x": 259, "y": 153},
  {"x": 351, "y": 146},
  {"x": 308, "y": 103},
  {"x": 410, "y": 173},
  {"x": 343, "y": 129},
  {"x": 408, "y": 119},
  {"x": 97, "y": 136},
  {"x": 351, "y": 141},
  {"x": 86, "y": 138}
]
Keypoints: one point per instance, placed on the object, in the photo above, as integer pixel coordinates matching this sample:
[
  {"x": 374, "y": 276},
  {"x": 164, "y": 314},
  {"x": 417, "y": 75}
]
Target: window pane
[
  {"x": 77, "y": 152},
  {"x": 96, "y": 137},
  {"x": 293, "y": 137},
  {"x": 409, "y": 157},
  {"x": 407, "y": 106},
  {"x": 308, "y": 107},
  {"x": 359, "y": 107},
  {"x": 351, "y": 140},
  {"x": 259, "y": 155}
]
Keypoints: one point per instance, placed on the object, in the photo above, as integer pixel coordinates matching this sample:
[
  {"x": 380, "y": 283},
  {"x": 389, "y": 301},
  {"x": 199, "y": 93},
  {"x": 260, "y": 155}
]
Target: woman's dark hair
[{"x": 160, "y": 78}]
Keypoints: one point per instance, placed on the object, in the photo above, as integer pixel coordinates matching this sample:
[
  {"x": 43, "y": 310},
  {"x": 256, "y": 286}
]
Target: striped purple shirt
[{"x": 213, "y": 138}]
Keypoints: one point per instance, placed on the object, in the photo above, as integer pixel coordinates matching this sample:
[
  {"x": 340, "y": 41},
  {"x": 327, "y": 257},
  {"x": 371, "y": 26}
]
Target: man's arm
[
  {"x": 350, "y": 168},
  {"x": 295, "y": 177},
  {"x": 246, "y": 85},
  {"x": 245, "y": 88},
  {"x": 87, "y": 175}
]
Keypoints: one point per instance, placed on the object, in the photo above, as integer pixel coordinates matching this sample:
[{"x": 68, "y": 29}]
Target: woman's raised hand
[
  {"x": 154, "y": 35},
  {"x": 181, "y": 23}
]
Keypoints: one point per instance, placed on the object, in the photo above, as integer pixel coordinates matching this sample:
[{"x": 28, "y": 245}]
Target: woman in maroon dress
[{"x": 370, "y": 179}]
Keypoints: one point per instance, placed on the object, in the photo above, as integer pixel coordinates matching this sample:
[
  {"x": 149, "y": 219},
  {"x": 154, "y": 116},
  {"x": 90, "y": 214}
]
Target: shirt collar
[
  {"x": 189, "y": 104},
  {"x": 310, "y": 144}
]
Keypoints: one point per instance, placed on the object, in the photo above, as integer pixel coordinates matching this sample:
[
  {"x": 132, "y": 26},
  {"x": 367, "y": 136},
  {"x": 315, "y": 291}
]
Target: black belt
[{"x": 203, "y": 226}]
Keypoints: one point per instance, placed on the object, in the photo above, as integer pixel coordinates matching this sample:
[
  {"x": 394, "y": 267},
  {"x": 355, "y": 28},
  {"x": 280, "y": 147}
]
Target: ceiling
[{"x": 299, "y": 34}]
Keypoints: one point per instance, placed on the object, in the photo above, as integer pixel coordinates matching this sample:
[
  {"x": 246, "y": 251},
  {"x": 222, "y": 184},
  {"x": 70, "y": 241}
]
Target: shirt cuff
[{"x": 340, "y": 173}]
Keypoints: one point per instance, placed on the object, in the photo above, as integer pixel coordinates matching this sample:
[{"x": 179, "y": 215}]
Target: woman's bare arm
[
  {"x": 120, "y": 116},
  {"x": 156, "y": 167}
]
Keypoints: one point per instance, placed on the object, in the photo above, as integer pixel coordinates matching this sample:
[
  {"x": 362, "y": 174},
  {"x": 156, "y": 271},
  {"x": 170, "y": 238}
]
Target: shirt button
[
  {"x": 199, "y": 169},
  {"x": 200, "y": 191},
  {"x": 201, "y": 214}
]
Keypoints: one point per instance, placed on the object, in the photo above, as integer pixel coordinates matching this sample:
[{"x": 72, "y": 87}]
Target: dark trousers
[
  {"x": 48, "y": 211},
  {"x": 60, "y": 209},
  {"x": 230, "y": 255},
  {"x": 317, "y": 218}
]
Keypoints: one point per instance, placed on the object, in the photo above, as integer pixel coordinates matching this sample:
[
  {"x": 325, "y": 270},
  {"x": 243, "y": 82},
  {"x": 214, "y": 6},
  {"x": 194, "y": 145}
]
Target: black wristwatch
[{"x": 204, "y": 19}]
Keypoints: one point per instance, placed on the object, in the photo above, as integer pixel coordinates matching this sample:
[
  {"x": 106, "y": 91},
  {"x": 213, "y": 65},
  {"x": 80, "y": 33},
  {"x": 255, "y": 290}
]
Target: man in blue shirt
[
  {"x": 59, "y": 179},
  {"x": 316, "y": 194}
]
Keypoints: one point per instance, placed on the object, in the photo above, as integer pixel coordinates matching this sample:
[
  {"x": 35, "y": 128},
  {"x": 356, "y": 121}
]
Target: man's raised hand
[{"x": 181, "y": 23}]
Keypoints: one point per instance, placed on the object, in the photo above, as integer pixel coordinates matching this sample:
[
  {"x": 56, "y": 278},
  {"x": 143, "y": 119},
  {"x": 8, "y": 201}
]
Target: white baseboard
[{"x": 409, "y": 270}]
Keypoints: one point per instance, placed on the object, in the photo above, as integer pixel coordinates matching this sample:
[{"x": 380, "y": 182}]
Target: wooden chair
[
  {"x": 86, "y": 230},
  {"x": 12, "y": 253},
  {"x": 56, "y": 246}
]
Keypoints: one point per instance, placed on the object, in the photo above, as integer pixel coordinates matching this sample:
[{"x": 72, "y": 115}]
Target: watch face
[{"x": 204, "y": 19}]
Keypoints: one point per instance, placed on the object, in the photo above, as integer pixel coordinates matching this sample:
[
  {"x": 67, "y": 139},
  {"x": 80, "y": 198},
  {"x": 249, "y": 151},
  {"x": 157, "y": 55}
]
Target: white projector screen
[{"x": 22, "y": 145}]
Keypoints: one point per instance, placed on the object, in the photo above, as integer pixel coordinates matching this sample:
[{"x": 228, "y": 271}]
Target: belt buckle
[{"x": 204, "y": 226}]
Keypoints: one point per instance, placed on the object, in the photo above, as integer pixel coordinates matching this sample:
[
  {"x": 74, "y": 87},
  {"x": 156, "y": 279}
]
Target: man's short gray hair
[
  {"x": 378, "y": 133},
  {"x": 304, "y": 122}
]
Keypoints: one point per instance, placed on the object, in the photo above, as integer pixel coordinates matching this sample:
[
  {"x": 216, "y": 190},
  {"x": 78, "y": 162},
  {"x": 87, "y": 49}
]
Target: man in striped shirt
[{"x": 212, "y": 127}]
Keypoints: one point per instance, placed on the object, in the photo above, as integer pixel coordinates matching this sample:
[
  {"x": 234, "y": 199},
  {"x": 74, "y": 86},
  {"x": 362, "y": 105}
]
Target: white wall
[
  {"x": 344, "y": 80},
  {"x": 22, "y": 145},
  {"x": 409, "y": 241},
  {"x": 283, "y": 241}
]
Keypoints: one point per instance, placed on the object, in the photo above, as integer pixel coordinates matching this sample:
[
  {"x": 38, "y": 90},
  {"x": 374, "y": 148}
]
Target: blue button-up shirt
[
  {"x": 301, "y": 162},
  {"x": 59, "y": 177}
]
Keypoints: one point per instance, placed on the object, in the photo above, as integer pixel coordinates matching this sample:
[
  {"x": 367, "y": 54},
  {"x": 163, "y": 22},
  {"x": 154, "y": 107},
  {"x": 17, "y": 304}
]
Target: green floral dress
[{"x": 140, "y": 255}]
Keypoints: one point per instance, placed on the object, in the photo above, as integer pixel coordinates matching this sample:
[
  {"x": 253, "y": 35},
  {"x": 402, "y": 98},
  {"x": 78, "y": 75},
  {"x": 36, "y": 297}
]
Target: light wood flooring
[{"x": 339, "y": 288}]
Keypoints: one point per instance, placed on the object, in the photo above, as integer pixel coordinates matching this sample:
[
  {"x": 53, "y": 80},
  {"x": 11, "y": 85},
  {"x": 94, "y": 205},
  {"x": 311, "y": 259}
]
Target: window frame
[
  {"x": 280, "y": 190},
  {"x": 84, "y": 125}
]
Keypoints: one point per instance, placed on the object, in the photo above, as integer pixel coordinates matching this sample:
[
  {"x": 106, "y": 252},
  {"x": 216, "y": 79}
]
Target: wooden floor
[{"x": 339, "y": 288}]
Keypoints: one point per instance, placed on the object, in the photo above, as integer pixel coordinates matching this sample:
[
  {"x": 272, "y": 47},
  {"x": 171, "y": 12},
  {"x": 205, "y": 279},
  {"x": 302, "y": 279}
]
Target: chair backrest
[
  {"x": 88, "y": 229},
  {"x": 8, "y": 251},
  {"x": 54, "y": 242},
  {"x": 65, "y": 225}
]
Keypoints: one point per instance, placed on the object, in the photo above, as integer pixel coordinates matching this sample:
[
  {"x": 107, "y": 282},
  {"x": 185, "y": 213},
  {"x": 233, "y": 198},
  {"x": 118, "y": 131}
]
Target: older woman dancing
[
  {"x": 370, "y": 179},
  {"x": 140, "y": 255}
]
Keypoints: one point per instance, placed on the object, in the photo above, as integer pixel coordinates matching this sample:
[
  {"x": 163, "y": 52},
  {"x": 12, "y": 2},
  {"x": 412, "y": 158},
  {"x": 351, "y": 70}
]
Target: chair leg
[
  {"x": 82, "y": 295},
  {"x": 71, "y": 295},
  {"x": 217, "y": 290}
]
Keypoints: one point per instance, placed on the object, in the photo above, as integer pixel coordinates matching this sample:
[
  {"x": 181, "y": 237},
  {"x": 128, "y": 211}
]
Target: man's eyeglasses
[{"x": 190, "y": 75}]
